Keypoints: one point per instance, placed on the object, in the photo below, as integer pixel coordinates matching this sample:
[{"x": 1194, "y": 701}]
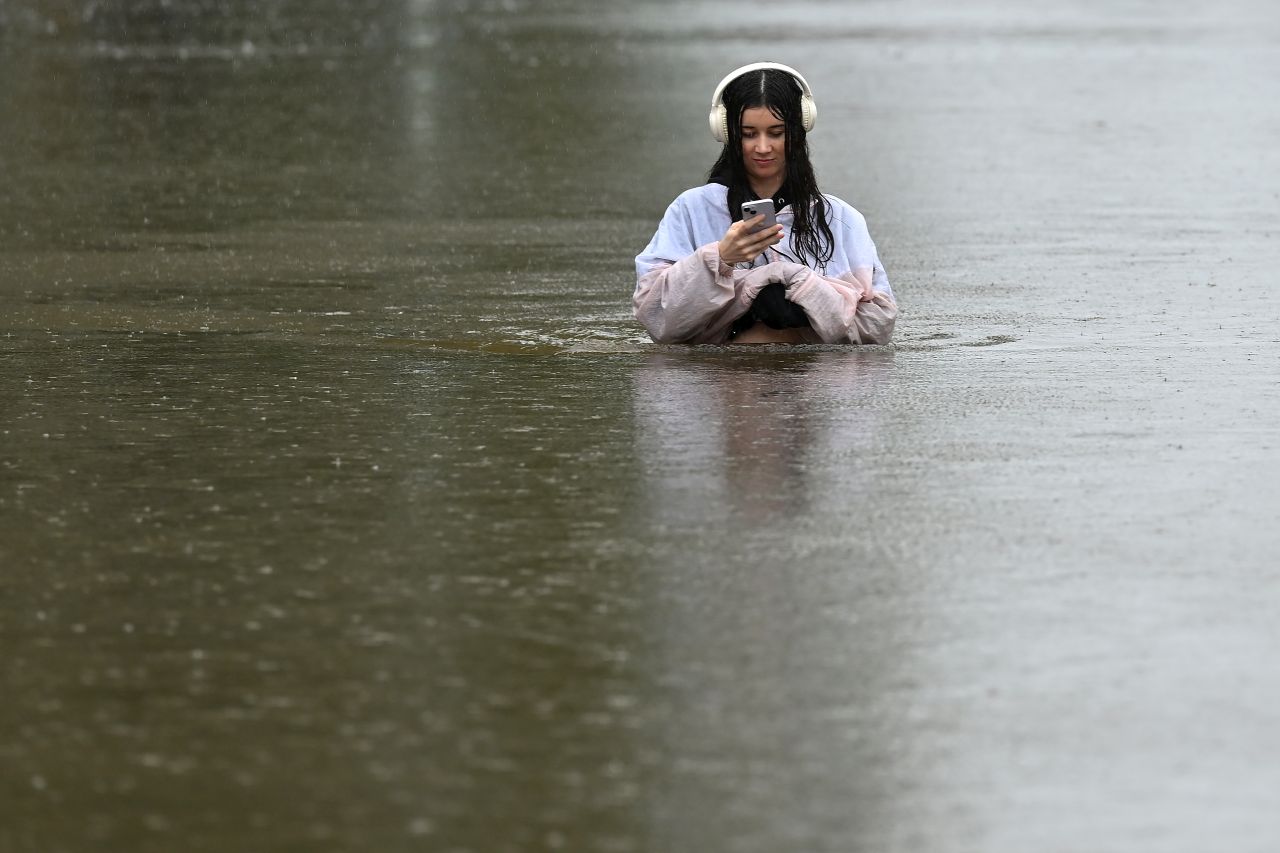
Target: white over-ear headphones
[{"x": 720, "y": 116}]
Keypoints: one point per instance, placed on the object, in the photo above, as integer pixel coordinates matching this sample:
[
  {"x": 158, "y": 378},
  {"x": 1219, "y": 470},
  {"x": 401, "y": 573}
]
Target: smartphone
[{"x": 751, "y": 209}]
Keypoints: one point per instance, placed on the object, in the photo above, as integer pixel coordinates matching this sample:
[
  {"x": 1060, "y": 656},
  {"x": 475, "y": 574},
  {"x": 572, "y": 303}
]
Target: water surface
[{"x": 343, "y": 506}]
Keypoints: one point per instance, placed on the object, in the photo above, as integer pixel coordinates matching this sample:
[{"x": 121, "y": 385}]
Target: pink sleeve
[
  {"x": 844, "y": 310},
  {"x": 696, "y": 299}
]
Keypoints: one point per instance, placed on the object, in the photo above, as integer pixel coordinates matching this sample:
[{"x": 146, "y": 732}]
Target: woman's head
[
  {"x": 766, "y": 150},
  {"x": 763, "y": 106}
]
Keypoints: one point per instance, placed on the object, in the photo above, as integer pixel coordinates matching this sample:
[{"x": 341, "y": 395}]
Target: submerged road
[{"x": 343, "y": 506}]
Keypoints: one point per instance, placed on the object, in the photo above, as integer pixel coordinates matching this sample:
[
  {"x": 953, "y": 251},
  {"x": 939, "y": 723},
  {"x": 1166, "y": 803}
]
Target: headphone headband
[{"x": 719, "y": 116}]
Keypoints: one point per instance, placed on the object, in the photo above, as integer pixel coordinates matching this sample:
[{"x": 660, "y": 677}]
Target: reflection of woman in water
[
  {"x": 706, "y": 277},
  {"x": 768, "y": 437}
]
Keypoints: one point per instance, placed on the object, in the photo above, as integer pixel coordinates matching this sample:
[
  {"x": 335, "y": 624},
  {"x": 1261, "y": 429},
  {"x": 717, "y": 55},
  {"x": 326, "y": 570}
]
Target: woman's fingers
[
  {"x": 746, "y": 244},
  {"x": 766, "y": 238}
]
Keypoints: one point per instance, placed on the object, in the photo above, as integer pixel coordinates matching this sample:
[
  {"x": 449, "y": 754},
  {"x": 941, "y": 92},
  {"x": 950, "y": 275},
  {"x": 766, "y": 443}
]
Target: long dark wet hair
[{"x": 810, "y": 232}]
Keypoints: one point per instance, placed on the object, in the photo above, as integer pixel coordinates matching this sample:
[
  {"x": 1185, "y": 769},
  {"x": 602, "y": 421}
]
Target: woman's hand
[{"x": 741, "y": 244}]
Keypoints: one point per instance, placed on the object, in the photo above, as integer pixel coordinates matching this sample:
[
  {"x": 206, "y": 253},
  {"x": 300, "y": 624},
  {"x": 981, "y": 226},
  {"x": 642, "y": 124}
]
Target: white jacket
[{"x": 685, "y": 294}]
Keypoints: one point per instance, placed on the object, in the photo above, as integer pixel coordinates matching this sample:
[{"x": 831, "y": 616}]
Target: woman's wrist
[{"x": 726, "y": 256}]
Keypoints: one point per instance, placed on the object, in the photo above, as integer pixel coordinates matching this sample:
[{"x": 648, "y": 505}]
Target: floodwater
[{"x": 343, "y": 506}]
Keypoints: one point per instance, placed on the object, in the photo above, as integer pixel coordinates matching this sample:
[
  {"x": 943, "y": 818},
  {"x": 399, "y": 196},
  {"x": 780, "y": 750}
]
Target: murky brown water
[{"x": 344, "y": 507}]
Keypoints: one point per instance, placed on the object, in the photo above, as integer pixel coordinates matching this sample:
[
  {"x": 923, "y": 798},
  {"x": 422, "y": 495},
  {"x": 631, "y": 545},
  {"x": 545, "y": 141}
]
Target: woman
[{"x": 707, "y": 278}]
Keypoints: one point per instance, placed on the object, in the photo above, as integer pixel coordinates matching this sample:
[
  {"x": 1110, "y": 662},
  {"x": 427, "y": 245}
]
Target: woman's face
[{"x": 764, "y": 145}]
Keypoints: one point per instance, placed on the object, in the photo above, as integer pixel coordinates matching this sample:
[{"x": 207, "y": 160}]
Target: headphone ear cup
[
  {"x": 720, "y": 124},
  {"x": 808, "y": 112}
]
